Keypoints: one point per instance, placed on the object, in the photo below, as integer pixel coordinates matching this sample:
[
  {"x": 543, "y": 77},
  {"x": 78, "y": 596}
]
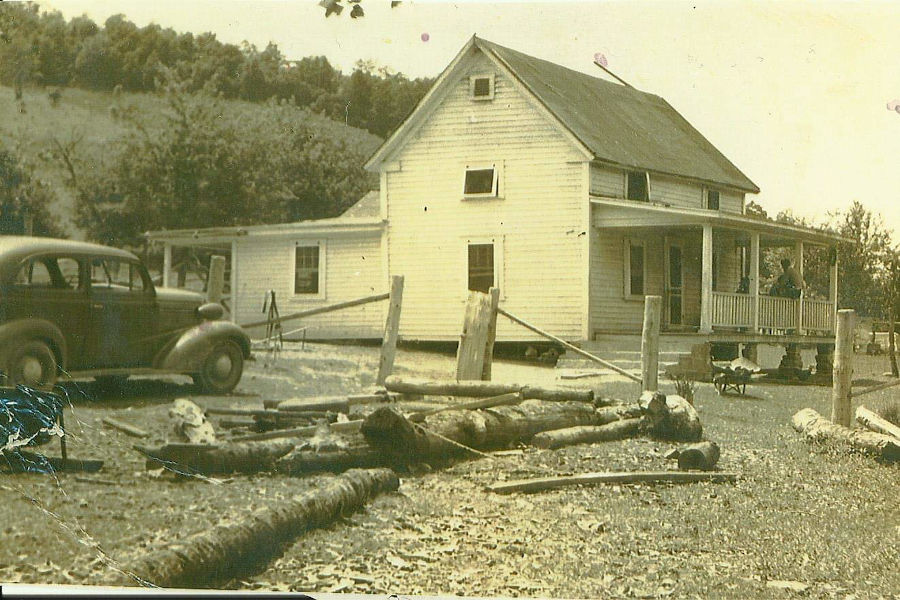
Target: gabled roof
[
  {"x": 367, "y": 206},
  {"x": 616, "y": 124}
]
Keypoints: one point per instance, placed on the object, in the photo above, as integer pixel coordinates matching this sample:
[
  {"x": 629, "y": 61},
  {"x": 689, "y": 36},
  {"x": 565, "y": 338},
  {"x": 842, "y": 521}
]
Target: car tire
[
  {"x": 222, "y": 369},
  {"x": 32, "y": 364}
]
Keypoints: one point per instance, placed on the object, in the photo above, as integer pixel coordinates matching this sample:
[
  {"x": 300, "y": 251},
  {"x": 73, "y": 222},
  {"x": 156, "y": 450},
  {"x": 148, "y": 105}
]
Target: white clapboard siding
[
  {"x": 353, "y": 270},
  {"x": 731, "y": 202},
  {"x": 728, "y": 260},
  {"x": 539, "y": 216},
  {"x": 607, "y": 181},
  {"x": 677, "y": 192}
]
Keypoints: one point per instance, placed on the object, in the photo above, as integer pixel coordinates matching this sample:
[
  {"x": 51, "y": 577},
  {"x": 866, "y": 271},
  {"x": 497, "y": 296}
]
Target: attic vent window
[
  {"x": 481, "y": 87},
  {"x": 712, "y": 199},
  {"x": 638, "y": 186},
  {"x": 481, "y": 181}
]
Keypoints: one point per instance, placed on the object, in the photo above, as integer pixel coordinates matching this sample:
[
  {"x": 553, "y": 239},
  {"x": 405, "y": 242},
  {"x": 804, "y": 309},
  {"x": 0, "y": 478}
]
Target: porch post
[
  {"x": 706, "y": 281},
  {"x": 167, "y": 263},
  {"x": 833, "y": 292},
  {"x": 798, "y": 264},
  {"x": 754, "y": 278}
]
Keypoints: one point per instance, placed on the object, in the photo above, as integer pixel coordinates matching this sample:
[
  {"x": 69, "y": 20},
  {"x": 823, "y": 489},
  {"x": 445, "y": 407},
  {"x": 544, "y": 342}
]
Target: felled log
[
  {"x": 353, "y": 399},
  {"x": 358, "y": 455},
  {"x": 876, "y": 422},
  {"x": 344, "y": 427},
  {"x": 232, "y": 549},
  {"x": 125, "y": 428},
  {"x": 450, "y": 433},
  {"x": 483, "y": 389},
  {"x": 337, "y": 404},
  {"x": 587, "y": 434},
  {"x": 701, "y": 457},
  {"x": 816, "y": 428},
  {"x": 226, "y": 458},
  {"x": 550, "y": 483},
  {"x": 266, "y": 413},
  {"x": 189, "y": 422},
  {"x": 670, "y": 417}
]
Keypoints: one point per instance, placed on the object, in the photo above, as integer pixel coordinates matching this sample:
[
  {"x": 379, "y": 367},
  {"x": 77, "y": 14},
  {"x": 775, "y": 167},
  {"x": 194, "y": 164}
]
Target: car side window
[
  {"x": 49, "y": 272},
  {"x": 116, "y": 274}
]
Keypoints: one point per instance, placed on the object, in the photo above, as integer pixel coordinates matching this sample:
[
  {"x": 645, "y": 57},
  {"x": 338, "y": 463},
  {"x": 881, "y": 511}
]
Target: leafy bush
[{"x": 685, "y": 386}]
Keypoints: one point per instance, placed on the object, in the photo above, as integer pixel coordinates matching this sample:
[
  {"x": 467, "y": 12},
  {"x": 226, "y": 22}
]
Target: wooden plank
[
  {"x": 494, "y": 293},
  {"x": 876, "y": 422},
  {"x": 473, "y": 340},
  {"x": 391, "y": 330},
  {"x": 550, "y": 483},
  {"x": 843, "y": 368},
  {"x": 568, "y": 346},
  {"x": 321, "y": 309},
  {"x": 483, "y": 389},
  {"x": 650, "y": 344},
  {"x": 875, "y": 388},
  {"x": 345, "y": 427},
  {"x": 336, "y": 404},
  {"x": 125, "y": 428},
  {"x": 216, "y": 282}
]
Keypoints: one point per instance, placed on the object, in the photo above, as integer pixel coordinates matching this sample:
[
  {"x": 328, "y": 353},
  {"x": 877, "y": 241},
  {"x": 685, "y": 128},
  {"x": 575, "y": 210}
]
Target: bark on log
[
  {"x": 816, "y": 428},
  {"x": 402, "y": 441},
  {"x": 232, "y": 549},
  {"x": 346, "y": 426},
  {"x": 702, "y": 457},
  {"x": 357, "y": 456},
  {"x": 228, "y": 458},
  {"x": 877, "y": 423},
  {"x": 587, "y": 434},
  {"x": 338, "y": 404},
  {"x": 549, "y": 483},
  {"x": 505, "y": 399},
  {"x": 483, "y": 389},
  {"x": 670, "y": 417},
  {"x": 125, "y": 428}
]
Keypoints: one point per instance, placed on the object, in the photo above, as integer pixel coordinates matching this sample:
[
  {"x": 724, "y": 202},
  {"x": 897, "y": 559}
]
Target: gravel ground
[{"x": 801, "y": 520}]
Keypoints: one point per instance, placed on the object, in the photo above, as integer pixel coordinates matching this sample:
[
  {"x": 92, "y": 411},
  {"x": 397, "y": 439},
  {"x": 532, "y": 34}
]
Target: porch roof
[{"x": 619, "y": 213}]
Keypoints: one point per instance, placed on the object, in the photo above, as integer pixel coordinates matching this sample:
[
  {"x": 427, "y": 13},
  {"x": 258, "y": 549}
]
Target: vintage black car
[{"x": 75, "y": 309}]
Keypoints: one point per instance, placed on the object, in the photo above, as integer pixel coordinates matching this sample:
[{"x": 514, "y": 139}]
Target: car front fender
[
  {"x": 189, "y": 351},
  {"x": 17, "y": 332}
]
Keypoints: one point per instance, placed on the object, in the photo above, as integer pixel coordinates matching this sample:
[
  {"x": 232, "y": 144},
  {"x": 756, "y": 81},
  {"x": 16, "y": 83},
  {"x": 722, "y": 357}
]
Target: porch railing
[{"x": 775, "y": 314}]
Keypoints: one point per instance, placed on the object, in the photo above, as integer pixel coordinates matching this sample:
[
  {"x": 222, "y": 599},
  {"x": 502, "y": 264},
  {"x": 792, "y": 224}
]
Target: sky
[{"x": 797, "y": 95}]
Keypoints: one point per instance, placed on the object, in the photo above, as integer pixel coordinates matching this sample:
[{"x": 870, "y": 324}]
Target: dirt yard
[{"x": 801, "y": 520}]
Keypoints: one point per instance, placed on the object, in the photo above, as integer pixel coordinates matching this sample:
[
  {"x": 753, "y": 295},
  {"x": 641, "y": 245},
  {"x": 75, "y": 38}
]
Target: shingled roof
[{"x": 620, "y": 124}]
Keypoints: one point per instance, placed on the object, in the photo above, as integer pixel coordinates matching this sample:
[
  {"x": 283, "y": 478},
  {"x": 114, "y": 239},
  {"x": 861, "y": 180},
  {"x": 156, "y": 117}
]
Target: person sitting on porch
[
  {"x": 789, "y": 283},
  {"x": 744, "y": 285}
]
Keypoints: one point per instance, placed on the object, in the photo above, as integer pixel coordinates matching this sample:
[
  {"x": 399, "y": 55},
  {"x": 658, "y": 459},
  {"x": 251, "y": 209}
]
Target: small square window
[
  {"x": 712, "y": 199},
  {"x": 638, "y": 187},
  {"x": 481, "y": 181},
  {"x": 481, "y": 87},
  {"x": 306, "y": 270}
]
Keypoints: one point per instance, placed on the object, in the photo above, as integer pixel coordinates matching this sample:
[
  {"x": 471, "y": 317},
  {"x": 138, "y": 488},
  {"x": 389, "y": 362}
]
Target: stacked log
[{"x": 250, "y": 457}]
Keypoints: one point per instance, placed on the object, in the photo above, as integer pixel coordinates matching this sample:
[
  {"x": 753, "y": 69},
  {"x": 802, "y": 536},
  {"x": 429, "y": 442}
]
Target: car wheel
[
  {"x": 222, "y": 369},
  {"x": 31, "y": 364}
]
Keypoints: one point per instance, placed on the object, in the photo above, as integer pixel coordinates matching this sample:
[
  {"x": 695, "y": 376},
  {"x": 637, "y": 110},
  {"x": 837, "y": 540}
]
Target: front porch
[{"x": 708, "y": 267}]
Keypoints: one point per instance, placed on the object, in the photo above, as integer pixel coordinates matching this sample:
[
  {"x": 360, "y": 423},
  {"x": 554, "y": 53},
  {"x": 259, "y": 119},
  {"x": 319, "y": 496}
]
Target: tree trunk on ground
[
  {"x": 816, "y": 428},
  {"x": 702, "y": 457},
  {"x": 483, "y": 389},
  {"x": 357, "y": 456},
  {"x": 586, "y": 434},
  {"x": 250, "y": 457},
  {"x": 671, "y": 417},
  {"x": 231, "y": 549},
  {"x": 876, "y": 423},
  {"x": 402, "y": 441}
]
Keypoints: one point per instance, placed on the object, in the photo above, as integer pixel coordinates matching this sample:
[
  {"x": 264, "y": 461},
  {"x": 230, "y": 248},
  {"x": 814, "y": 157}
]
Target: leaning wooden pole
[
  {"x": 569, "y": 346},
  {"x": 391, "y": 330},
  {"x": 321, "y": 309},
  {"x": 650, "y": 344},
  {"x": 494, "y": 293},
  {"x": 231, "y": 549},
  {"x": 843, "y": 368}
]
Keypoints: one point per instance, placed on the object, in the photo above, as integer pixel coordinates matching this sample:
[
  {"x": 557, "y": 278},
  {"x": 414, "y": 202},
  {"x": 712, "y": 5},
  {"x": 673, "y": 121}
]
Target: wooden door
[{"x": 674, "y": 269}]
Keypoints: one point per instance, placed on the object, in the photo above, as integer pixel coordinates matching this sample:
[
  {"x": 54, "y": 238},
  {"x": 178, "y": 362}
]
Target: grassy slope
[{"x": 86, "y": 114}]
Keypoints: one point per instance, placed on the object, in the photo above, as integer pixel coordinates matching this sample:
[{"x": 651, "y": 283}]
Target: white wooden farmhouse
[{"x": 574, "y": 195}]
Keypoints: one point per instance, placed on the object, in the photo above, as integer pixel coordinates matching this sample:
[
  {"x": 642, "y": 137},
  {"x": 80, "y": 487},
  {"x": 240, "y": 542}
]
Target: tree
[
  {"x": 24, "y": 200},
  {"x": 863, "y": 262}
]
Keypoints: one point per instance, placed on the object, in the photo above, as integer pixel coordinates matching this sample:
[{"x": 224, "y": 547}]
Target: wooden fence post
[
  {"x": 216, "y": 280},
  {"x": 650, "y": 344},
  {"x": 491, "y": 334},
  {"x": 843, "y": 368},
  {"x": 473, "y": 340},
  {"x": 391, "y": 330}
]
